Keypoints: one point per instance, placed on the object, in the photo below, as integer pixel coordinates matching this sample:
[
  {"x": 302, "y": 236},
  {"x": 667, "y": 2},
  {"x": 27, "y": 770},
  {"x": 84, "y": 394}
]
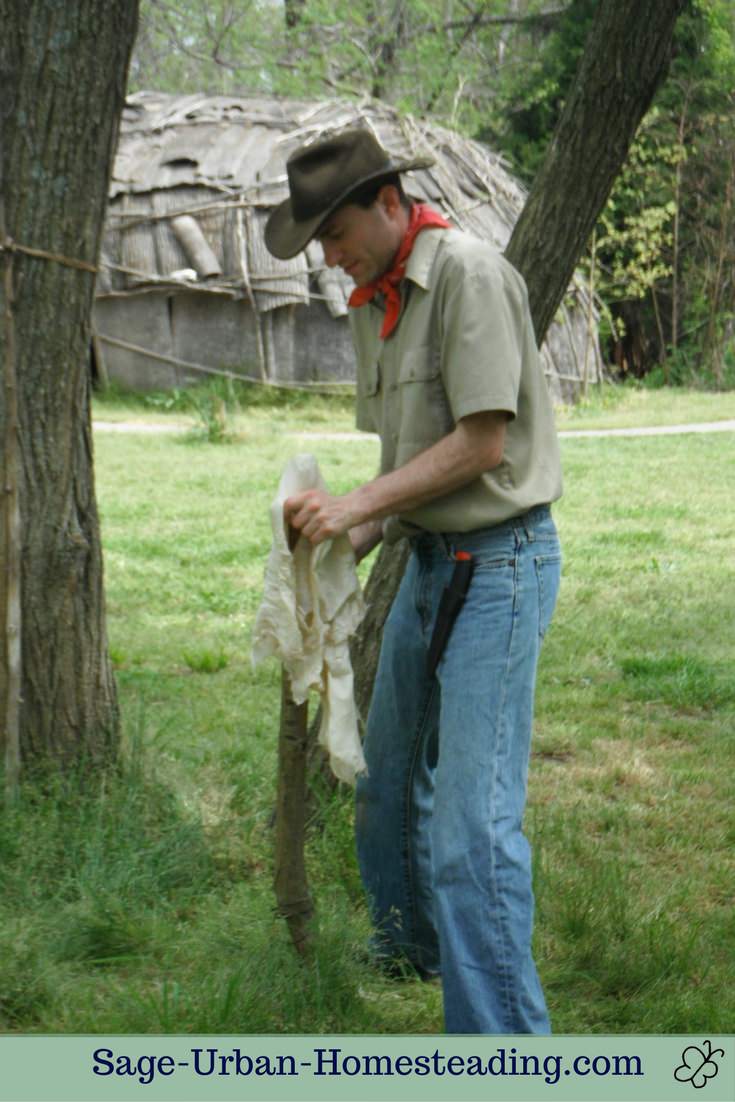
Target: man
[{"x": 449, "y": 376}]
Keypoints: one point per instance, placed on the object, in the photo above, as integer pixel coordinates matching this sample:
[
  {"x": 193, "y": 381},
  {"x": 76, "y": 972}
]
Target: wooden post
[
  {"x": 291, "y": 887},
  {"x": 103, "y": 376},
  {"x": 13, "y": 540}
]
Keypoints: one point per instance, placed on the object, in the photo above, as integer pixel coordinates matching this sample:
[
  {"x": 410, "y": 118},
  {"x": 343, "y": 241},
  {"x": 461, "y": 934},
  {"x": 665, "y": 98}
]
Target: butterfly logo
[{"x": 698, "y": 1065}]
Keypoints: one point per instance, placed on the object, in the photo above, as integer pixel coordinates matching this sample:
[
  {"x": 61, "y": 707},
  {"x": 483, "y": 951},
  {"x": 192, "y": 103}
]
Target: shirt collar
[{"x": 421, "y": 260}]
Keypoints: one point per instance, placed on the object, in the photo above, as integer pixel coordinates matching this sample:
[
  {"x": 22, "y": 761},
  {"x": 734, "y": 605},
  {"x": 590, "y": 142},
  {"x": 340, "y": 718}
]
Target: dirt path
[
  {"x": 566, "y": 434},
  {"x": 654, "y": 430},
  {"x": 137, "y": 426}
]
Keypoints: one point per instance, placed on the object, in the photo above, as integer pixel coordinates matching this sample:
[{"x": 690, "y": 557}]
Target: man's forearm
[
  {"x": 454, "y": 461},
  {"x": 475, "y": 445}
]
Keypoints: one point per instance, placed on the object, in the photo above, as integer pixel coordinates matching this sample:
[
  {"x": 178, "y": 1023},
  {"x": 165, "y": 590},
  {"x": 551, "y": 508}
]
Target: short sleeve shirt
[{"x": 464, "y": 344}]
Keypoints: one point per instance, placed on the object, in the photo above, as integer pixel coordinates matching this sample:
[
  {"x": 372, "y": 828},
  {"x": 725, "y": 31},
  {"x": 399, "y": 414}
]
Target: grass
[
  {"x": 637, "y": 406},
  {"x": 146, "y": 906}
]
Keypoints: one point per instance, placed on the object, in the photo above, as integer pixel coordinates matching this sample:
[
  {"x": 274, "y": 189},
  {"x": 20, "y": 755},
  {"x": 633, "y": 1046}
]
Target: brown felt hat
[{"x": 320, "y": 178}]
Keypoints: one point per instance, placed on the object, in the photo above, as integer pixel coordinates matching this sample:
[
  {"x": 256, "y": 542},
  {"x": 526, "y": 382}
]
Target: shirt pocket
[
  {"x": 368, "y": 378},
  {"x": 425, "y": 413}
]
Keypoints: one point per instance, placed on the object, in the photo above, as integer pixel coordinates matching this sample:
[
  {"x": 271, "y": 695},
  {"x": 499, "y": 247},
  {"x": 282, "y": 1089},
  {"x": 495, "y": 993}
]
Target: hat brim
[{"x": 285, "y": 237}]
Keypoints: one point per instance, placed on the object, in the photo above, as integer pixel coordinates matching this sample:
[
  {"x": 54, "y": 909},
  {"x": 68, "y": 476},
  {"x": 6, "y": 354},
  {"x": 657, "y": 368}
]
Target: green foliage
[
  {"x": 691, "y": 367},
  {"x": 211, "y": 412},
  {"x": 206, "y": 660},
  {"x": 421, "y": 56},
  {"x": 664, "y": 243},
  {"x": 533, "y": 93},
  {"x": 635, "y": 231}
]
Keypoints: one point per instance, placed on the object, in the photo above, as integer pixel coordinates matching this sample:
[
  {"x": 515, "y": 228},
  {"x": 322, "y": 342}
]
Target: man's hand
[{"x": 318, "y": 515}]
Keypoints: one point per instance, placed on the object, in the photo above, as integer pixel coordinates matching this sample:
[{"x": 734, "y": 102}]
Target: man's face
[{"x": 363, "y": 241}]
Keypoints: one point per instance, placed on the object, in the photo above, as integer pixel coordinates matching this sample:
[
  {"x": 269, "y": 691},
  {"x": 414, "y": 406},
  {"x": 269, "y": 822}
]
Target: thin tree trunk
[
  {"x": 677, "y": 224},
  {"x": 714, "y": 342},
  {"x": 660, "y": 331},
  {"x": 390, "y": 36},
  {"x": 12, "y": 573},
  {"x": 625, "y": 58},
  {"x": 293, "y": 12},
  {"x": 589, "y": 336},
  {"x": 64, "y": 68},
  {"x": 290, "y": 882}
]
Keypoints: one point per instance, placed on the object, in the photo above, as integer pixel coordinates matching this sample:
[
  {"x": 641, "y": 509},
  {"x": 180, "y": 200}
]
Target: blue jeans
[{"x": 440, "y": 843}]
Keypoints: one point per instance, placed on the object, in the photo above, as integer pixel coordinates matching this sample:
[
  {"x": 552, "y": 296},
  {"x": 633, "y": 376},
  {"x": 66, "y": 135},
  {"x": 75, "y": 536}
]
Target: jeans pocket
[
  {"x": 494, "y": 562},
  {"x": 548, "y": 577}
]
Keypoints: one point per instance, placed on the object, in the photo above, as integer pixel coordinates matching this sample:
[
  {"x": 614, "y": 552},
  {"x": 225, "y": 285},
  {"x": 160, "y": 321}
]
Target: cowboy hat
[{"x": 321, "y": 177}]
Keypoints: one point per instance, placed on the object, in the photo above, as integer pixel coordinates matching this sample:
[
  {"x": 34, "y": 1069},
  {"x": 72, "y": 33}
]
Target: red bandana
[{"x": 422, "y": 217}]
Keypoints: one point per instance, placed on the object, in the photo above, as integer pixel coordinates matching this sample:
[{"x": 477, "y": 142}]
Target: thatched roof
[{"x": 196, "y": 176}]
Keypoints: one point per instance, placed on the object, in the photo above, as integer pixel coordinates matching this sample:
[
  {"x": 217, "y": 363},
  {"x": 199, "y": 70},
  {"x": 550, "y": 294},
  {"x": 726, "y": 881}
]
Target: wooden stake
[
  {"x": 12, "y": 550},
  {"x": 291, "y": 887}
]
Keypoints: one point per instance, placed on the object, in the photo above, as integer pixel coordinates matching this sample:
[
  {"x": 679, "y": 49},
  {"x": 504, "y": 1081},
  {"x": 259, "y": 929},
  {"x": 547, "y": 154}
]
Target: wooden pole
[
  {"x": 293, "y": 898},
  {"x": 12, "y": 549}
]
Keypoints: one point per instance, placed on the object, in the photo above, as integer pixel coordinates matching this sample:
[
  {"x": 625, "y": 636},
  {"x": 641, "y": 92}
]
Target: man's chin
[
  {"x": 359, "y": 275},
  {"x": 359, "y": 279}
]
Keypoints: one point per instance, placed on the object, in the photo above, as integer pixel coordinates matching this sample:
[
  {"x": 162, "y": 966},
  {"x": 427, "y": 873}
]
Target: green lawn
[
  {"x": 148, "y": 907},
  {"x": 615, "y": 407}
]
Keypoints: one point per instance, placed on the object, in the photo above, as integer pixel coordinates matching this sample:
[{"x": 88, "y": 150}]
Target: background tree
[
  {"x": 662, "y": 252},
  {"x": 421, "y": 55},
  {"x": 64, "y": 69}
]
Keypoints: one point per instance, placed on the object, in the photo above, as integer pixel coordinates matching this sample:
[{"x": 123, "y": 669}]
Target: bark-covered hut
[{"x": 187, "y": 284}]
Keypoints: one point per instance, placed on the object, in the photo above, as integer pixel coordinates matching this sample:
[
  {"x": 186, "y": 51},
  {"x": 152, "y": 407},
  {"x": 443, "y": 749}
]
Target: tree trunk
[
  {"x": 390, "y": 20},
  {"x": 676, "y": 258},
  {"x": 625, "y": 58},
  {"x": 293, "y": 11},
  {"x": 64, "y": 67}
]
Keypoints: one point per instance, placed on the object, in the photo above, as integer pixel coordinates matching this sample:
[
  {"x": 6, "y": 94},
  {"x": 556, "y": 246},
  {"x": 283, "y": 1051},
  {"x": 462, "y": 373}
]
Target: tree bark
[
  {"x": 63, "y": 66},
  {"x": 625, "y": 58}
]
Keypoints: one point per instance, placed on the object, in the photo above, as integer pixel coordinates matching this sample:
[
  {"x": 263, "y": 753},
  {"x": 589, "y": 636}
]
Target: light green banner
[{"x": 383, "y": 1068}]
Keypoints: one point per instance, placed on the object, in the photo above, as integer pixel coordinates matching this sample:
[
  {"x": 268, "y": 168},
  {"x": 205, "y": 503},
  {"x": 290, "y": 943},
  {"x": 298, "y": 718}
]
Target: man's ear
[{"x": 390, "y": 200}]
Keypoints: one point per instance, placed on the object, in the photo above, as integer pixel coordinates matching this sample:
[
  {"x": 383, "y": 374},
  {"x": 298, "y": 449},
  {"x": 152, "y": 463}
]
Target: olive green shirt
[{"x": 464, "y": 344}]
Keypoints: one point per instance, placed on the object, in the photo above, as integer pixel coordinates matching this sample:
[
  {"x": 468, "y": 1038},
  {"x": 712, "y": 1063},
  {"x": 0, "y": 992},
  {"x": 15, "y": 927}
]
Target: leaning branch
[{"x": 549, "y": 15}]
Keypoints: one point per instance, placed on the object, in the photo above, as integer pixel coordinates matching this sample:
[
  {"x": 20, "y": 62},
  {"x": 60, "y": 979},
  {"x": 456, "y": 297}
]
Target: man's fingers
[
  {"x": 296, "y": 510},
  {"x": 301, "y": 514},
  {"x": 317, "y": 515}
]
